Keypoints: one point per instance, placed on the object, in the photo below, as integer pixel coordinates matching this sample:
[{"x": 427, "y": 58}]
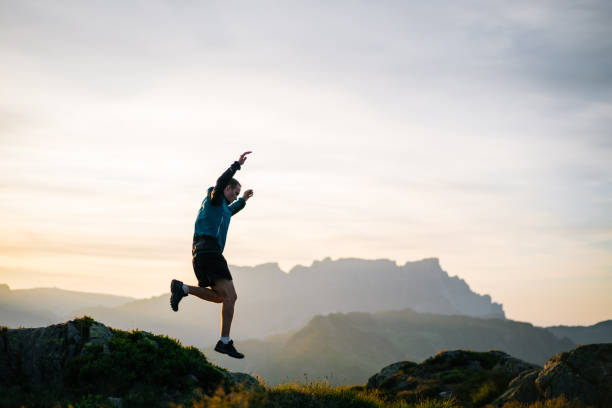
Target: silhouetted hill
[
  {"x": 43, "y": 306},
  {"x": 598, "y": 333},
  {"x": 346, "y": 348}
]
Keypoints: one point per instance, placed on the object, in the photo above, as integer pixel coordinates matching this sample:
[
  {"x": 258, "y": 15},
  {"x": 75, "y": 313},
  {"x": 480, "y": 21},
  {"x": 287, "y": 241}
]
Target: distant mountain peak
[
  {"x": 433, "y": 262},
  {"x": 344, "y": 262}
]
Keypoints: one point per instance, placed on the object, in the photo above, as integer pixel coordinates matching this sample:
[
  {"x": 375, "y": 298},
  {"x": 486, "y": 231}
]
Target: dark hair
[{"x": 233, "y": 183}]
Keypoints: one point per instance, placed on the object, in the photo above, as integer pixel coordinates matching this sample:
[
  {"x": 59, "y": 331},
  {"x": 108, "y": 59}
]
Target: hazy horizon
[
  {"x": 135, "y": 298},
  {"x": 476, "y": 132}
]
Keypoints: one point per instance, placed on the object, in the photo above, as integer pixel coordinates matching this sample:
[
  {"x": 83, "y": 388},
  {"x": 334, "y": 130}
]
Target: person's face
[{"x": 232, "y": 193}]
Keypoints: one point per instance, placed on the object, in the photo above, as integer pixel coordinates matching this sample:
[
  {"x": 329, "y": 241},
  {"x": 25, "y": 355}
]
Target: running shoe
[
  {"x": 228, "y": 349},
  {"x": 176, "y": 294}
]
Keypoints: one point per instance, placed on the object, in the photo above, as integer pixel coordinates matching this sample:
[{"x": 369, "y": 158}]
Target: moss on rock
[{"x": 82, "y": 360}]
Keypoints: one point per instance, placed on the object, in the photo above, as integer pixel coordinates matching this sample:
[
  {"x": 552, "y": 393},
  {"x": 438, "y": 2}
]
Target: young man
[{"x": 208, "y": 262}]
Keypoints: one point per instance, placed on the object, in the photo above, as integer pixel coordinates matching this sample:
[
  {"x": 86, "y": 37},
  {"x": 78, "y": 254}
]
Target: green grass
[
  {"x": 454, "y": 375},
  {"x": 313, "y": 395},
  {"x": 559, "y": 402},
  {"x": 487, "y": 392}
]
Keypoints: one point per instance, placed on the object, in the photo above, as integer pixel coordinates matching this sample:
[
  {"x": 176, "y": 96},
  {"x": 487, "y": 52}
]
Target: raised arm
[{"x": 223, "y": 181}]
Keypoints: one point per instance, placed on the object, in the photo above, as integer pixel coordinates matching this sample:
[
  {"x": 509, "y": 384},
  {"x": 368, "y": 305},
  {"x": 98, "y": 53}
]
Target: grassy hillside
[
  {"x": 315, "y": 395},
  {"x": 323, "y": 395}
]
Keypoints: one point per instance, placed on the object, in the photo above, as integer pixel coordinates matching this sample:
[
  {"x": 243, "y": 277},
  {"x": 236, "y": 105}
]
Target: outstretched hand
[
  {"x": 243, "y": 158},
  {"x": 247, "y": 194}
]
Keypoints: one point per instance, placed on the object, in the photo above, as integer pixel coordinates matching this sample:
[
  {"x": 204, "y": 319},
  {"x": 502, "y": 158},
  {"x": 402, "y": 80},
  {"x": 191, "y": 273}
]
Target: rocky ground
[
  {"x": 584, "y": 373},
  {"x": 85, "y": 363},
  {"x": 474, "y": 378}
]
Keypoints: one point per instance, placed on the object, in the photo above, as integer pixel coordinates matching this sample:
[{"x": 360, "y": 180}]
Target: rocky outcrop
[
  {"x": 521, "y": 389},
  {"x": 465, "y": 375},
  {"x": 83, "y": 359},
  {"x": 36, "y": 357},
  {"x": 389, "y": 371},
  {"x": 584, "y": 373}
]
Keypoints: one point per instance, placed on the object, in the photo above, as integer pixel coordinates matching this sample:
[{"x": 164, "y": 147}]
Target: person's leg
[
  {"x": 205, "y": 293},
  {"x": 225, "y": 289}
]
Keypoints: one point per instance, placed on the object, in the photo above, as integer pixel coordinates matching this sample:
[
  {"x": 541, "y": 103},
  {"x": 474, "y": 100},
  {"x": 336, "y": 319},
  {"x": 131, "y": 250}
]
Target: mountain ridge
[{"x": 289, "y": 300}]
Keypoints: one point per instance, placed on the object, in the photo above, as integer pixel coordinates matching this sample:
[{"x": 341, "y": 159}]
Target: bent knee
[
  {"x": 226, "y": 296},
  {"x": 226, "y": 291},
  {"x": 230, "y": 298}
]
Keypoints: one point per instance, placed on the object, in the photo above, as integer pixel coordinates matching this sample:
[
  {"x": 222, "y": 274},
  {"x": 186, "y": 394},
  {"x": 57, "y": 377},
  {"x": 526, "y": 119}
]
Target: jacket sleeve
[
  {"x": 237, "y": 205},
  {"x": 222, "y": 182}
]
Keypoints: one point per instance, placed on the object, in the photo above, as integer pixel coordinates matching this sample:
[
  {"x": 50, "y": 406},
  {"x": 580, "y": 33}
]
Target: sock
[
  {"x": 225, "y": 340},
  {"x": 186, "y": 289}
]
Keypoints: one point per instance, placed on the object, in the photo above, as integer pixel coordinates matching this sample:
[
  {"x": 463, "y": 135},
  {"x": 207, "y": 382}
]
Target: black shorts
[{"x": 209, "y": 266}]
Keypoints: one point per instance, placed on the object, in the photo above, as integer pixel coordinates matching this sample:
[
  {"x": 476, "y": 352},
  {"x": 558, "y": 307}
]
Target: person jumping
[{"x": 210, "y": 267}]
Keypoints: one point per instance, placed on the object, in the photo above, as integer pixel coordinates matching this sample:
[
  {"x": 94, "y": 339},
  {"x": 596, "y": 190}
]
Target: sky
[{"x": 477, "y": 132}]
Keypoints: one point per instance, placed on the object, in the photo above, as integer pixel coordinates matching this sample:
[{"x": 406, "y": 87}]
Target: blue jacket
[{"x": 215, "y": 213}]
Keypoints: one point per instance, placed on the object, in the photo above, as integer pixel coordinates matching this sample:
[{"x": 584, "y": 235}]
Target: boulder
[
  {"x": 99, "y": 333},
  {"x": 377, "y": 379},
  {"x": 72, "y": 334},
  {"x": 511, "y": 366},
  {"x": 521, "y": 389},
  {"x": 465, "y": 375},
  {"x": 584, "y": 374},
  {"x": 38, "y": 355}
]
